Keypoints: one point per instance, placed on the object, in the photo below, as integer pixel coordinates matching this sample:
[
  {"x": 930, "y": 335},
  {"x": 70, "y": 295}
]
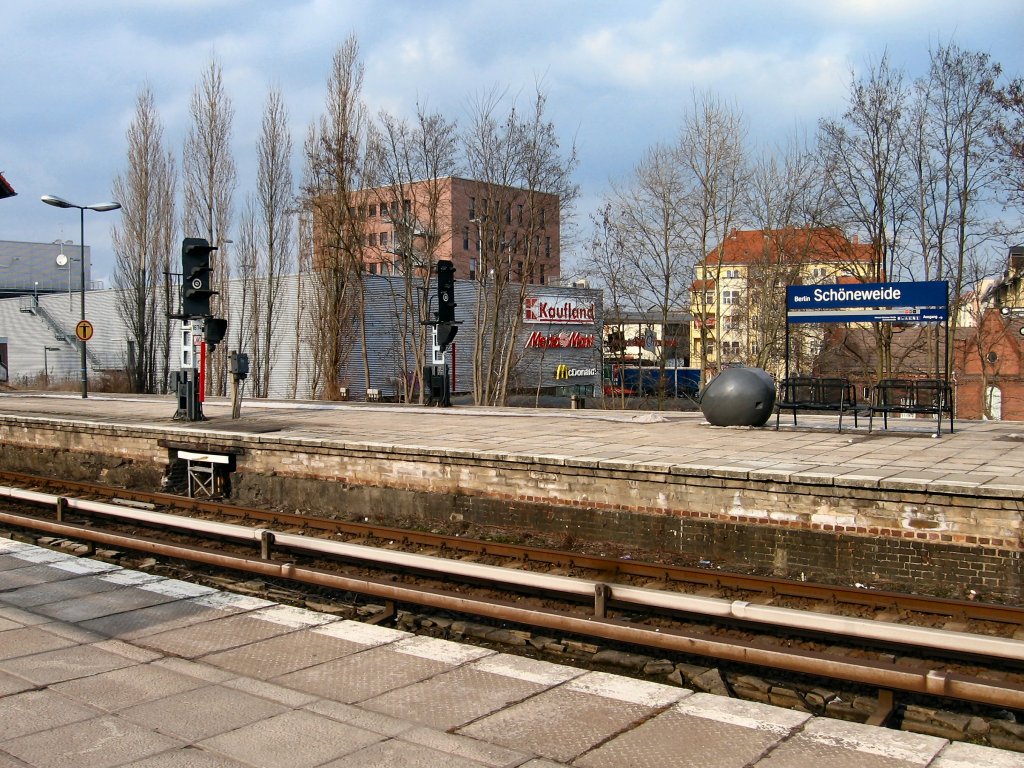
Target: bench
[
  {"x": 912, "y": 396},
  {"x": 811, "y": 393}
]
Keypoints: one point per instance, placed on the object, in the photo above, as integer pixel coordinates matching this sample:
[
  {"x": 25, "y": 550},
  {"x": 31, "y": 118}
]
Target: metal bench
[
  {"x": 912, "y": 396},
  {"x": 811, "y": 393}
]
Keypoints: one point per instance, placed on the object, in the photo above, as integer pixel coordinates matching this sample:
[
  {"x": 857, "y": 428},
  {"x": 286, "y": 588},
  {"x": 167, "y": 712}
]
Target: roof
[
  {"x": 6, "y": 190},
  {"x": 818, "y": 245}
]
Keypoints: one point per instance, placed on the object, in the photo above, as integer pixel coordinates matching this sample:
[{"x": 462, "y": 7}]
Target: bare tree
[
  {"x": 248, "y": 303},
  {"x": 1009, "y": 132},
  {"x": 275, "y": 200},
  {"x": 425, "y": 153},
  {"x": 712, "y": 156},
  {"x": 647, "y": 218},
  {"x": 524, "y": 175},
  {"x": 783, "y": 200},
  {"x": 335, "y": 172},
  {"x": 607, "y": 264},
  {"x": 210, "y": 178},
  {"x": 866, "y": 173},
  {"x": 956, "y": 166},
  {"x": 143, "y": 247}
]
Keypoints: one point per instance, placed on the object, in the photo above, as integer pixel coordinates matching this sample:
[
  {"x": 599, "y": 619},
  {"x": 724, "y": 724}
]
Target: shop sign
[
  {"x": 558, "y": 309},
  {"x": 563, "y": 340},
  {"x": 563, "y": 372}
]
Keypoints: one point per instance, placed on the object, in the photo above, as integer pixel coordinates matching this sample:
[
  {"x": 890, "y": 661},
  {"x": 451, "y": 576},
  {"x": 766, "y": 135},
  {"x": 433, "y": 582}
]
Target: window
[
  {"x": 519, "y": 270},
  {"x": 520, "y": 207},
  {"x": 472, "y": 269},
  {"x": 472, "y": 208},
  {"x": 731, "y": 323},
  {"x": 732, "y": 273},
  {"x": 730, "y": 349},
  {"x": 373, "y": 211},
  {"x": 547, "y": 247},
  {"x": 483, "y": 207},
  {"x": 730, "y": 297},
  {"x": 383, "y": 239},
  {"x": 372, "y": 241},
  {"x": 373, "y": 269},
  {"x": 406, "y": 207},
  {"x": 542, "y": 282},
  {"x": 508, "y": 214},
  {"x": 818, "y": 273},
  {"x": 465, "y": 238},
  {"x": 542, "y": 217}
]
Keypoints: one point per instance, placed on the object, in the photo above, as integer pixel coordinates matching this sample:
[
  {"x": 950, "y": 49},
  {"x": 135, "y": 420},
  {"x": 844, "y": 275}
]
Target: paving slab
[
  {"x": 126, "y": 687},
  {"x": 824, "y": 743},
  {"x": 200, "y": 713},
  {"x": 63, "y": 664},
  {"x": 601, "y": 707},
  {"x": 217, "y": 634},
  {"x": 295, "y": 739},
  {"x": 102, "y": 742},
  {"x": 702, "y": 731},
  {"x": 248, "y": 683},
  {"x": 283, "y": 654}
]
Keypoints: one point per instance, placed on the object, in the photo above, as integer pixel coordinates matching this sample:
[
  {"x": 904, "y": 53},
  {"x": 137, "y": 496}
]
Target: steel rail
[
  {"x": 883, "y": 675},
  {"x": 579, "y": 589},
  {"x": 607, "y": 566},
  {"x": 977, "y": 610}
]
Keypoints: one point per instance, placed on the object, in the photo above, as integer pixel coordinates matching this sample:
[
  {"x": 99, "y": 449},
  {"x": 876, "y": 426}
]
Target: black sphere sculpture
[{"x": 739, "y": 397}]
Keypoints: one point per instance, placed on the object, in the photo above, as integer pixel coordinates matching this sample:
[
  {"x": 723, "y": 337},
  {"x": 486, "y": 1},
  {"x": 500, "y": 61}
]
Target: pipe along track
[{"x": 884, "y": 675}]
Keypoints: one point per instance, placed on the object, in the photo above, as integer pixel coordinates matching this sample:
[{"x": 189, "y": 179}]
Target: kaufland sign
[{"x": 560, "y": 310}]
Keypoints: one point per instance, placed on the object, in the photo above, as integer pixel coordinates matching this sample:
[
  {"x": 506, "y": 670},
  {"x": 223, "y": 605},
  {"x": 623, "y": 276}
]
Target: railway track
[{"x": 688, "y": 611}]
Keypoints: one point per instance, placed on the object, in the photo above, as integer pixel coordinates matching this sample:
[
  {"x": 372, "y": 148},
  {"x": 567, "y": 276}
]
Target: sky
[{"x": 619, "y": 75}]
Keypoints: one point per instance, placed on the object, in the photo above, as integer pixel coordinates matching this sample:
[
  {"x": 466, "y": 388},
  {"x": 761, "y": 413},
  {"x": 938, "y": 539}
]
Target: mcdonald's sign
[{"x": 563, "y": 372}]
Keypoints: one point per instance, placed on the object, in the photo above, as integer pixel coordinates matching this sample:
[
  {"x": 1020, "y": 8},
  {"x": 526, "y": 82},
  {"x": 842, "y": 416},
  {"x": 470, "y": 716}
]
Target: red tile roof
[
  {"x": 797, "y": 245},
  {"x": 6, "y": 190}
]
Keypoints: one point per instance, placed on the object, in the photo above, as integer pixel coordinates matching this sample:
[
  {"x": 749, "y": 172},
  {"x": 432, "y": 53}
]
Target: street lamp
[{"x": 59, "y": 202}]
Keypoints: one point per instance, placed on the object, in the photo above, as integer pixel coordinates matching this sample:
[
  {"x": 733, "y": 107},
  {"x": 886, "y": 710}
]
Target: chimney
[{"x": 856, "y": 239}]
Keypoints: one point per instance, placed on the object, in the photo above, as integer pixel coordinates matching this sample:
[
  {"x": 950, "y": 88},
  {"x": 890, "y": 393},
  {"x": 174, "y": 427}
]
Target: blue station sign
[{"x": 924, "y": 302}]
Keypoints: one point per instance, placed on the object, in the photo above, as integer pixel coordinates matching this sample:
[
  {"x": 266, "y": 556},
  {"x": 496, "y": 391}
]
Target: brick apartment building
[{"x": 486, "y": 230}]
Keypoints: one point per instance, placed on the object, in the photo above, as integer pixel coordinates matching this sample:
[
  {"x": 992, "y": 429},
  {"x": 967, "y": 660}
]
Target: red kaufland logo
[{"x": 547, "y": 309}]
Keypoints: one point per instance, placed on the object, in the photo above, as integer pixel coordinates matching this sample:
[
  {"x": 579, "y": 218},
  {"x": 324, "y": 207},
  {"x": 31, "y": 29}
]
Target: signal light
[
  {"x": 195, "y": 277},
  {"x": 445, "y": 293},
  {"x": 445, "y": 333}
]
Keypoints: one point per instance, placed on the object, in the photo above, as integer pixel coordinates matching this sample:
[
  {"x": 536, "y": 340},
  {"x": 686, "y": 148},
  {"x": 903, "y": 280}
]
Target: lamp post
[{"x": 59, "y": 202}]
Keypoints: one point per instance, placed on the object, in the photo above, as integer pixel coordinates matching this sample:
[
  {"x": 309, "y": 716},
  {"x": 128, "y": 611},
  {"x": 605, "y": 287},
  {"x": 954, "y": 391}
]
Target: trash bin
[{"x": 577, "y": 402}]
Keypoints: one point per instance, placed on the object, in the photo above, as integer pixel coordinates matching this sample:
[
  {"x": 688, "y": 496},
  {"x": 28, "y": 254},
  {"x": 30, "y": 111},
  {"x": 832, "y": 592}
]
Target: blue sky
[{"x": 619, "y": 75}]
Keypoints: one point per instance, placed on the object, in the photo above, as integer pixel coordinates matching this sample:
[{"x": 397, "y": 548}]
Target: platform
[{"x": 102, "y": 666}]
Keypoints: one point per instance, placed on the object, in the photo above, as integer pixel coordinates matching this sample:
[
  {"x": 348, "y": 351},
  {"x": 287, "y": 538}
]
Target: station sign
[{"x": 868, "y": 302}]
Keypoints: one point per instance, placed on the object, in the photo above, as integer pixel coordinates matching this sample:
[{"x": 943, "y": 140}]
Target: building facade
[
  {"x": 738, "y": 297},
  {"x": 42, "y": 268},
  {"x": 486, "y": 230}
]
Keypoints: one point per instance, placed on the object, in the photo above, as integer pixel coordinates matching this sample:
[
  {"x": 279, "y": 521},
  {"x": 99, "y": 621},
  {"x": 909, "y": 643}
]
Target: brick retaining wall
[{"x": 939, "y": 540}]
